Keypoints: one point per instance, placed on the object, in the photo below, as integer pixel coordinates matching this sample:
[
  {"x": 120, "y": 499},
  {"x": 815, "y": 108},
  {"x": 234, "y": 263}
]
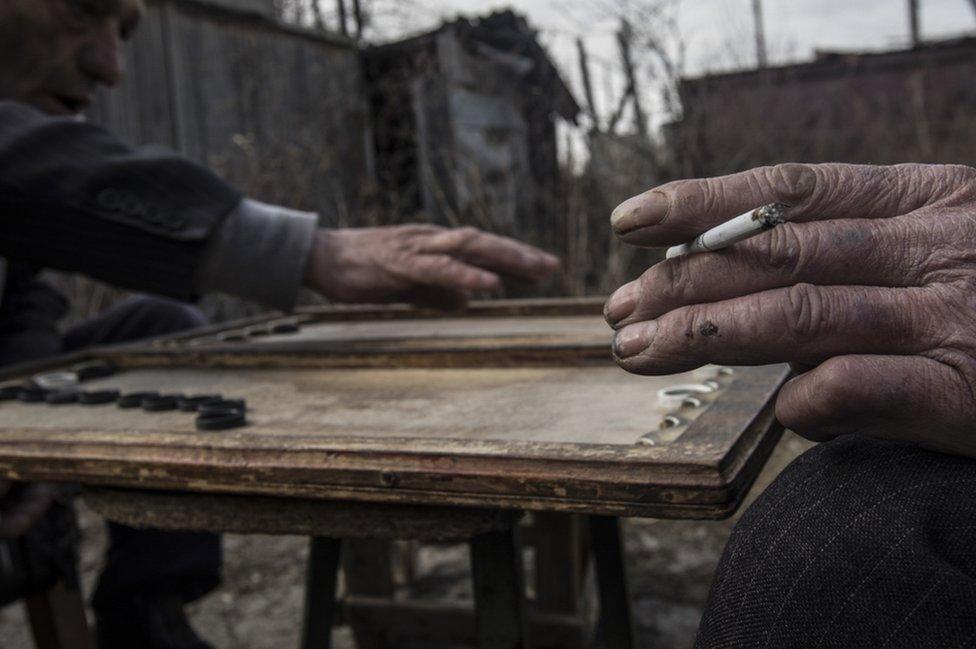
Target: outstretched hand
[
  {"x": 421, "y": 264},
  {"x": 872, "y": 284}
]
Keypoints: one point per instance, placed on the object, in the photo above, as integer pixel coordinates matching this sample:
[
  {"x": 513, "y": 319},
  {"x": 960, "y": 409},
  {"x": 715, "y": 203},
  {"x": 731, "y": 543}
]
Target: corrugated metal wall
[{"x": 279, "y": 112}]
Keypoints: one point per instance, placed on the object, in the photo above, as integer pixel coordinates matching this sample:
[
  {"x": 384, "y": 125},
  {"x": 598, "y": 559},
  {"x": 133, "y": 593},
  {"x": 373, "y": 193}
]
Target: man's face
[{"x": 53, "y": 53}]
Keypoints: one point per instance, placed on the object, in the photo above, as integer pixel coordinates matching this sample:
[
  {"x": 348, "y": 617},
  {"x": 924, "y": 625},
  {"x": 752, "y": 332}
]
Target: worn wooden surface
[
  {"x": 561, "y": 431},
  {"x": 320, "y": 518}
]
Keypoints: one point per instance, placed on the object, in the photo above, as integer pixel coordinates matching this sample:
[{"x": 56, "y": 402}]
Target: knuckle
[
  {"x": 464, "y": 237},
  {"x": 823, "y": 401},
  {"x": 666, "y": 282},
  {"x": 709, "y": 194},
  {"x": 693, "y": 195},
  {"x": 938, "y": 240},
  {"x": 962, "y": 180},
  {"x": 782, "y": 250},
  {"x": 804, "y": 311},
  {"x": 963, "y": 173},
  {"x": 417, "y": 229},
  {"x": 792, "y": 182},
  {"x": 836, "y": 391},
  {"x": 908, "y": 186}
]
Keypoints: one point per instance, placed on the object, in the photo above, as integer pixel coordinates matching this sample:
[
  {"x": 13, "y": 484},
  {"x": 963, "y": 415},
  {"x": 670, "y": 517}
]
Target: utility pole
[
  {"x": 343, "y": 26},
  {"x": 625, "y": 38},
  {"x": 584, "y": 63},
  {"x": 762, "y": 55},
  {"x": 914, "y": 19},
  {"x": 973, "y": 4}
]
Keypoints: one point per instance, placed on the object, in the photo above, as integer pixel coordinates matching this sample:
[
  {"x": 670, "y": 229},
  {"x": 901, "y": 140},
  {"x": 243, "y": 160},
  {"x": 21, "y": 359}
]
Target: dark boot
[{"x": 148, "y": 623}]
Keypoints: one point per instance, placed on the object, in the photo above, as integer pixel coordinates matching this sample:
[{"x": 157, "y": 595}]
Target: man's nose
[{"x": 102, "y": 58}]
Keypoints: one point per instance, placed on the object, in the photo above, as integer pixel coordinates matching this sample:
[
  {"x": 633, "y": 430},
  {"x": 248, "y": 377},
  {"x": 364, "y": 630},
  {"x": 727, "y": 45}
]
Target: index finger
[
  {"x": 493, "y": 252},
  {"x": 679, "y": 211}
]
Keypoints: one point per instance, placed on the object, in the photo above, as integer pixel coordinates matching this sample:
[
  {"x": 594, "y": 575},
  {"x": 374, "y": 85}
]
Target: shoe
[{"x": 148, "y": 623}]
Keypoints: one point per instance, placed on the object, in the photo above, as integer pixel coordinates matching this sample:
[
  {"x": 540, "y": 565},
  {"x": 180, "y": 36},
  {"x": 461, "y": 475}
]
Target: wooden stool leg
[
  {"x": 320, "y": 592},
  {"x": 368, "y": 568},
  {"x": 57, "y": 619},
  {"x": 499, "y": 592},
  {"x": 616, "y": 618},
  {"x": 560, "y": 562}
]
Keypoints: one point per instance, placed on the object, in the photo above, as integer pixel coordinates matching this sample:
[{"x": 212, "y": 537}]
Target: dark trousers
[
  {"x": 859, "y": 543},
  {"x": 138, "y": 562}
]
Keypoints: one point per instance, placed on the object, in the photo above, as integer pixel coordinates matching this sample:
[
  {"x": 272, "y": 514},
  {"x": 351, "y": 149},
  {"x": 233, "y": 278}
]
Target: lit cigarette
[{"x": 740, "y": 228}]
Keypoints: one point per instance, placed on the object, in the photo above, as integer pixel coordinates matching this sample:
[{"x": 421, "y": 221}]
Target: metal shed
[{"x": 464, "y": 124}]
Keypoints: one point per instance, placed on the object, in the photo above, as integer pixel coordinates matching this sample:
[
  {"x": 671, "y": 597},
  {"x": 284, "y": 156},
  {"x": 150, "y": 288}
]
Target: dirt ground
[{"x": 670, "y": 565}]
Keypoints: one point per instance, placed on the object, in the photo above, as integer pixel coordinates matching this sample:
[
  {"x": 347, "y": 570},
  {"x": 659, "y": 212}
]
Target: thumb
[{"x": 907, "y": 398}]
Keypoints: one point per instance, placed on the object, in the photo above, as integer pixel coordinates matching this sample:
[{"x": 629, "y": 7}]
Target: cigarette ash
[{"x": 771, "y": 215}]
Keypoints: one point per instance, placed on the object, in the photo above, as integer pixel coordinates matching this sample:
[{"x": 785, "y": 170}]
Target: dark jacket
[{"x": 74, "y": 197}]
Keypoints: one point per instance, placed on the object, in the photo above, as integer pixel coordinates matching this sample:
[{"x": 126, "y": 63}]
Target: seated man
[
  {"x": 870, "y": 291},
  {"x": 74, "y": 197}
]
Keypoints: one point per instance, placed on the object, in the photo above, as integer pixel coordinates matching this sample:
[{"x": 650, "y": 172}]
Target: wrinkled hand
[
  {"x": 872, "y": 285},
  {"x": 22, "y": 505},
  {"x": 422, "y": 264}
]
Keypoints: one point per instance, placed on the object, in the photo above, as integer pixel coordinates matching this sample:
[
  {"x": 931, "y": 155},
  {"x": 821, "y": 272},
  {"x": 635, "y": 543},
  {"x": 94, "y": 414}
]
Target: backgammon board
[{"x": 507, "y": 405}]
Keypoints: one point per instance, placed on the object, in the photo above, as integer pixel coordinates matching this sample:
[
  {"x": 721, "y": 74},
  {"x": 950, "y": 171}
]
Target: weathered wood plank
[{"x": 352, "y": 521}]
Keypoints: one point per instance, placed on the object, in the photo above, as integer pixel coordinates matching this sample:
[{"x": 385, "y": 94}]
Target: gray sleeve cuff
[{"x": 259, "y": 253}]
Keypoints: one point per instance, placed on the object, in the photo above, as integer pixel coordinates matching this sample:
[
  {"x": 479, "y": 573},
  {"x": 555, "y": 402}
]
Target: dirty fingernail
[
  {"x": 621, "y": 304},
  {"x": 634, "y": 339},
  {"x": 649, "y": 208}
]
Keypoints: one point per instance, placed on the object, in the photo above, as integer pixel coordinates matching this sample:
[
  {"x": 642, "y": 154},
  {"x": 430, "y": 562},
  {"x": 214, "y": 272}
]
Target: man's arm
[{"x": 74, "y": 197}]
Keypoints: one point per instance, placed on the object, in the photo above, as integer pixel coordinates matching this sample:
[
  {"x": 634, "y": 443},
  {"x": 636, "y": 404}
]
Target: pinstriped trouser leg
[{"x": 859, "y": 543}]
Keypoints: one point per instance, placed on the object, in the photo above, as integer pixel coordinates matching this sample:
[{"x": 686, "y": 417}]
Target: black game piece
[
  {"x": 222, "y": 405},
  {"x": 10, "y": 392},
  {"x": 31, "y": 395},
  {"x": 95, "y": 370},
  {"x": 225, "y": 419},
  {"x": 135, "y": 399},
  {"x": 62, "y": 397},
  {"x": 192, "y": 404},
  {"x": 162, "y": 403},
  {"x": 285, "y": 328},
  {"x": 98, "y": 397}
]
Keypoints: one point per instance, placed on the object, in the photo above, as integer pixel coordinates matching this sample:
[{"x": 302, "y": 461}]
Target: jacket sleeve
[{"x": 74, "y": 197}]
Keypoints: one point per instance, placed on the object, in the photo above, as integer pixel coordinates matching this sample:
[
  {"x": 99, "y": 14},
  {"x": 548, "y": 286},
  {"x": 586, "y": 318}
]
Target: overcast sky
[{"x": 718, "y": 33}]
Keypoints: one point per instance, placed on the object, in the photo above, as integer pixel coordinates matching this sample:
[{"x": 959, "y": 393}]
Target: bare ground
[{"x": 259, "y": 605}]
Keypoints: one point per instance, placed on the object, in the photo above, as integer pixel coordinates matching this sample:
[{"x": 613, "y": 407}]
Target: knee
[
  {"x": 843, "y": 520},
  {"x": 160, "y": 316},
  {"x": 822, "y": 495}
]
